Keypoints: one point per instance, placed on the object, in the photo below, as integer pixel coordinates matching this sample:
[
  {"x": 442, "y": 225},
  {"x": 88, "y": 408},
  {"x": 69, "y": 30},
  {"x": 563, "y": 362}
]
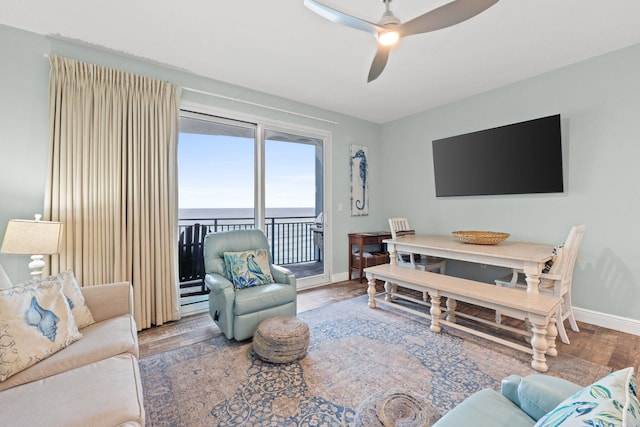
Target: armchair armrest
[
  {"x": 217, "y": 283},
  {"x": 537, "y": 394},
  {"x": 283, "y": 275},
  {"x": 109, "y": 300}
]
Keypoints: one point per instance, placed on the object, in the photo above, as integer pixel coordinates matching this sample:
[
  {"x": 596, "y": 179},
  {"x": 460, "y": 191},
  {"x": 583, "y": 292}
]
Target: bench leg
[
  {"x": 552, "y": 333},
  {"x": 389, "y": 289},
  {"x": 371, "y": 290},
  {"x": 539, "y": 345},
  {"x": 436, "y": 312},
  {"x": 451, "y": 309}
]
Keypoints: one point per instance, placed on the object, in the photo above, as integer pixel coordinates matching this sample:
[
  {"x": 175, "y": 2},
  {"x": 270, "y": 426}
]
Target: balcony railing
[{"x": 290, "y": 240}]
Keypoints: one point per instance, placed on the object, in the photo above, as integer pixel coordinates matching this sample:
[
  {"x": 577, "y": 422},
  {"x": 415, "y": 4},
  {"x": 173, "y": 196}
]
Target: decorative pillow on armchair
[
  {"x": 71, "y": 290},
  {"x": 35, "y": 322},
  {"x": 248, "y": 268},
  {"x": 611, "y": 401}
]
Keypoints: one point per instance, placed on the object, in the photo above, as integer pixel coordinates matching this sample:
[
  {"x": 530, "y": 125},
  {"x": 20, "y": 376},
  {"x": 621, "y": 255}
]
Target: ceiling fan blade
[
  {"x": 342, "y": 18},
  {"x": 445, "y": 16},
  {"x": 379, "y": 62}
]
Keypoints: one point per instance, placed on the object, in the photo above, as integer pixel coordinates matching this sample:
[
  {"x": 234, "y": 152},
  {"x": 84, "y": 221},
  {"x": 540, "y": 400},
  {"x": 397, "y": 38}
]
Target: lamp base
[{"x": 36, "y": 265}]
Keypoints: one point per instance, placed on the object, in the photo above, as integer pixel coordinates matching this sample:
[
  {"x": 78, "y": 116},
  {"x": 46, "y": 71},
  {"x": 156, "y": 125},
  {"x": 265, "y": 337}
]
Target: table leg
[
  {"x": 435, "y": 311},
  {"x": 552, "y": 333},
  {"x": 532, "y": 277},
  {"x": 371, "y": 290},
  {"x": 539, "y": 345},
  {"x": 393, "y": 260}
]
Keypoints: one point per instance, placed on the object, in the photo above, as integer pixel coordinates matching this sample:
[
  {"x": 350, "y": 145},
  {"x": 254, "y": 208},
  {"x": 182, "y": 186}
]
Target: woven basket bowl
[{"x": 480, "y": 237}]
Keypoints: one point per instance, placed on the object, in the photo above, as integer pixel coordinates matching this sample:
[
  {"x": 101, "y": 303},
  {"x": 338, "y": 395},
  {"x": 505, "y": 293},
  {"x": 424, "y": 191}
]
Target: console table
[{"x": 357, "y": 261}]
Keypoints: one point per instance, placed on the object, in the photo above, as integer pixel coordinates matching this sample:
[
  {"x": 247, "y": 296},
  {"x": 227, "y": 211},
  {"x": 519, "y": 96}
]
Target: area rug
[{"x": 354, "y": 352}]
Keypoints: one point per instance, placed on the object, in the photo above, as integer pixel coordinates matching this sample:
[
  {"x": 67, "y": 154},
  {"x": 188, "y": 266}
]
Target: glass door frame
[{"x": 263, "y": 124}]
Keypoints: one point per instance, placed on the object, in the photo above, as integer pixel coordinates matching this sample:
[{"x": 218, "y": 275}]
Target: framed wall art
[{"x": 359, "y": 180}]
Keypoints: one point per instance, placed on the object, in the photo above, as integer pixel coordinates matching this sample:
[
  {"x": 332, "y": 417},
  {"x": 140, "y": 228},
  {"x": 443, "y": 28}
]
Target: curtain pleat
[{"x": 113, "y": 182}]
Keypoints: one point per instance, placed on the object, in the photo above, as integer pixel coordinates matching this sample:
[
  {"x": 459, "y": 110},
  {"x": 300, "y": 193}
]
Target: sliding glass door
[{"x": 234, "y": 175}]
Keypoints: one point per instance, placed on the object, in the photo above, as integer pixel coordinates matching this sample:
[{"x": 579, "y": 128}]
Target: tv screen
[{"x": 519, "y": 158}]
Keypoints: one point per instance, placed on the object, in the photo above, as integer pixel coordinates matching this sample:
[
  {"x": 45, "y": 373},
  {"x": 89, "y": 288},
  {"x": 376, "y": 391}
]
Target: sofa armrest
[
  {"x": 109, "y": 300},
  {"x": 537, "y": 394},
  {"x": 283, "y": 275}
]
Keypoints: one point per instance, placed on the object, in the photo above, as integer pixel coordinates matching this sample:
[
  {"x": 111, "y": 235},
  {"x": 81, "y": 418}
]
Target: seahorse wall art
[{"x": 359, "y": 181}]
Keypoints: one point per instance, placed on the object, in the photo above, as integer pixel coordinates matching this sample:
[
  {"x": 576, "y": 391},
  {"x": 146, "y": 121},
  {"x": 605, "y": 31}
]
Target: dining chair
[
  {"x": 556, "y": 281},
  {"x": 400, "y": 227}
]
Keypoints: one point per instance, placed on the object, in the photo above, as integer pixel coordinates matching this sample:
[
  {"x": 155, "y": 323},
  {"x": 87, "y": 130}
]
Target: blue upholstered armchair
[{"x": 244, "y": 290}]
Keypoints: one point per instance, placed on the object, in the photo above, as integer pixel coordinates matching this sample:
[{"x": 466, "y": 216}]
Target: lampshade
[{"x": 32, "y": 237}]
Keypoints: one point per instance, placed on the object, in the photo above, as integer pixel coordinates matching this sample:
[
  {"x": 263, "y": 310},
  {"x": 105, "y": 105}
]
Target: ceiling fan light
[{"x": 388, "y": 38}]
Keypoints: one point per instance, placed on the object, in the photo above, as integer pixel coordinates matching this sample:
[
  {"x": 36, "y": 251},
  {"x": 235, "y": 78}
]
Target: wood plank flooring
[{"x": 593, "y": 343}]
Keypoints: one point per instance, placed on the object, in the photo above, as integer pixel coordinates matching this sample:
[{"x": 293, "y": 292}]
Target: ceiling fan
[{"x": 389, "y": 30}]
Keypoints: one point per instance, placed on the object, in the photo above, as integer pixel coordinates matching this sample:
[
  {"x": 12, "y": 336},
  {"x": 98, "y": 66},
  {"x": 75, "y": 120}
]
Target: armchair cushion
[
  {"x": 248, "y": 268},
  {"x": 611, "y": 401},
  {"x": 263, "y": 297}
]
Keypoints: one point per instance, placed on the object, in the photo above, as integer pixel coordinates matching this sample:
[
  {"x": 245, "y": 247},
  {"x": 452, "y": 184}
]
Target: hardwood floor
[{"x": 593, "y": 343}]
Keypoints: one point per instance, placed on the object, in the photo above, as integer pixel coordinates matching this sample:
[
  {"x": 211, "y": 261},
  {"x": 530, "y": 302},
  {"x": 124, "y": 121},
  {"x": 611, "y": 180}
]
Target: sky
[{"x": 218, "y": 172}]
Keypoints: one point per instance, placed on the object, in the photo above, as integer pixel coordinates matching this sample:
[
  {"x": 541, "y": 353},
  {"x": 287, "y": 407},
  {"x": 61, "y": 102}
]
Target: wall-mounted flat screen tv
[{"x": 519, "y": 158}]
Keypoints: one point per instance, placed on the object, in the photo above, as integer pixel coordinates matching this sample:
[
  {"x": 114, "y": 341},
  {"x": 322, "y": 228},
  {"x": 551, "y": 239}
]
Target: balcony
[{"x": 292, "y": 241}]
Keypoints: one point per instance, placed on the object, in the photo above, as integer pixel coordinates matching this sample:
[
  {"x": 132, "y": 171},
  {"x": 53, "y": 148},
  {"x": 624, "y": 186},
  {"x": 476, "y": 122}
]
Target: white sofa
[{"x": 93, "y": 382}]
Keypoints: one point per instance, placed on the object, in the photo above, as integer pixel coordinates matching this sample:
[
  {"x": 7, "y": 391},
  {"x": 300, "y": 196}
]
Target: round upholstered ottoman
[
  {"x": 396, "y": 407},
  {"x": 281, "y": 339}
]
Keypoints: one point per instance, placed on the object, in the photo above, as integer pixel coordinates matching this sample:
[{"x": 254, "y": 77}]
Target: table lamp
[{"x": 25, "y": 237}]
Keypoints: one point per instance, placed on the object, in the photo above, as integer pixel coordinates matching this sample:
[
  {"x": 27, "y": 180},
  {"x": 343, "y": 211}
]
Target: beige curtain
[{"x": 113, "y": 183}]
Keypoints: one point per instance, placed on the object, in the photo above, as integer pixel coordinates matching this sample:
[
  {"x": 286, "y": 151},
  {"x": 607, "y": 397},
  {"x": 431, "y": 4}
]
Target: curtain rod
[{"x": 255, "y": 104}]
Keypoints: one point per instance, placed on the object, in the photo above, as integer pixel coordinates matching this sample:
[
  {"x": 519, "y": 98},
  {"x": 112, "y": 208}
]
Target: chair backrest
[
  {"x": 190, "y": 248},
  {"x": 398, "y": 224},
  {"x": 216, "y": 244},
  {"x": 566, "y": 260}
]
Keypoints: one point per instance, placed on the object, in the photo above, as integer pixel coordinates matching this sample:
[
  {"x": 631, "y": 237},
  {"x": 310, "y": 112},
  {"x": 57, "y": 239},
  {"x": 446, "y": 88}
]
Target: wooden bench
[{"x": 537, "y": 310}]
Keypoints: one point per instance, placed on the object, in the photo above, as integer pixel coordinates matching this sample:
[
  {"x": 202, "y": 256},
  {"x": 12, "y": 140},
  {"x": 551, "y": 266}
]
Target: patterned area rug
[{"x": 354, "y": 352}]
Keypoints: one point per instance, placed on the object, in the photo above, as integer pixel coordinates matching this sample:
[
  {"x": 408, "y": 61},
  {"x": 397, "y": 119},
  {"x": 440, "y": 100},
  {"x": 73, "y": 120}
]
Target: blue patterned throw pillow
[
  {"x": 610, "y": 402},
  {"x": 35, "y": 322},
  {"x": 248, "y": 268}
]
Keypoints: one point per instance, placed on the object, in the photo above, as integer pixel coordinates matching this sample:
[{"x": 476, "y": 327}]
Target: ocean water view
[{"x": 192, "y": 214}]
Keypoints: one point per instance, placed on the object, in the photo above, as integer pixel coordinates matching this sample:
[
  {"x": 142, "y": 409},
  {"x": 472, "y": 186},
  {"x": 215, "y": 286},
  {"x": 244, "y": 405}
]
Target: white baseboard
[
  {"x": 339, "y": 277},
  {"x": 195, "y": 307},
  {"x": 609, "y": 321}
]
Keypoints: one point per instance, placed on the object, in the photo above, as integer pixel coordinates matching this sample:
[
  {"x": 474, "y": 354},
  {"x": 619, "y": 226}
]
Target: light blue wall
[
  {"x": 24, "y": 104},
  {"x": 599, "y": 101},
  {"x": 600, "y": 105}
]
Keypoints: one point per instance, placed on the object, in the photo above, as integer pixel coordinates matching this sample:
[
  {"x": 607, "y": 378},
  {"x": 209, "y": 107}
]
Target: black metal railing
[{"x": 290, "y": 239}]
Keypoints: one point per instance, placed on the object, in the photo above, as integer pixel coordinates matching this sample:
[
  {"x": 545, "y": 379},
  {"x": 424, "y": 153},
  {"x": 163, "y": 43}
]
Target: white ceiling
[{"x": 281, "y": 48}]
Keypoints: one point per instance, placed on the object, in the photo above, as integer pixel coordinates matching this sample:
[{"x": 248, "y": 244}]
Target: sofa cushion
[
  {"x": 101, "y": 340},
  {"x": 105, "y": 393},
  {"x": 611, "y": 401},
  {"x": 74, "y": 296},
  {"x": 248, "y": 268},
  {"x": 486, "y": 408},
  {"x": 35, "y": 323}
]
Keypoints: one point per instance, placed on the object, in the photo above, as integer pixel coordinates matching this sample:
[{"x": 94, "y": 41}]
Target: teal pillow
[
  {"x": 248, "y": 268},
  {"x": 609, "y": 402}
]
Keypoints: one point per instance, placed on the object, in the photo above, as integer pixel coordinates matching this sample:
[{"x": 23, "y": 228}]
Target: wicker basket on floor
[
  {"x": 397, "y": 407},
  {"x": 281, "y": 339}
]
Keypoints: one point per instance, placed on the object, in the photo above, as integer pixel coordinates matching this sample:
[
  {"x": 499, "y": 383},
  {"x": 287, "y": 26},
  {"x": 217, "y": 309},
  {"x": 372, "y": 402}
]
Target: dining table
[{"x": 529, "y": 258}]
